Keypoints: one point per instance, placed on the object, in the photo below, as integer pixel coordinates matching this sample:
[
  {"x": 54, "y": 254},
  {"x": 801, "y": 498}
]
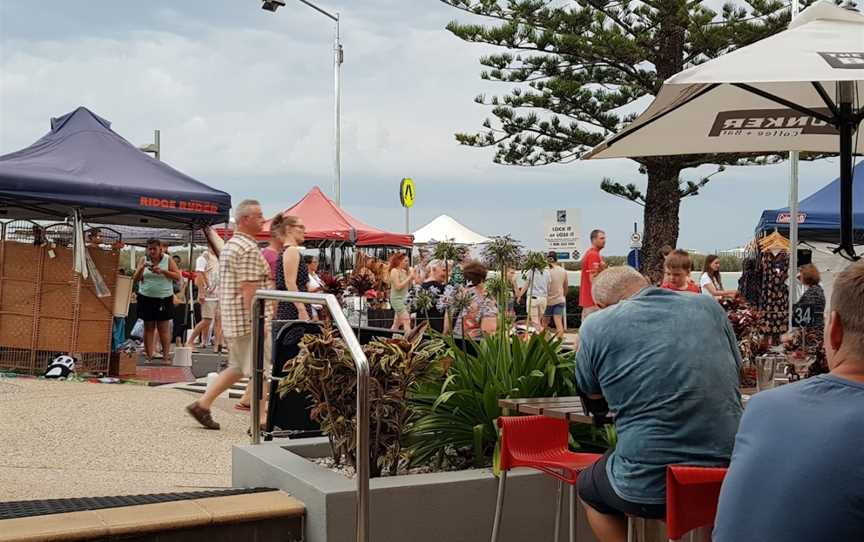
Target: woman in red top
[{"x": 678, "y": 268}]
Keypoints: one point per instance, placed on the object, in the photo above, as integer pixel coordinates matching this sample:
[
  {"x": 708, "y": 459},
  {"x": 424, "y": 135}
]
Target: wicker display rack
[{"x": 46, "y": 309}]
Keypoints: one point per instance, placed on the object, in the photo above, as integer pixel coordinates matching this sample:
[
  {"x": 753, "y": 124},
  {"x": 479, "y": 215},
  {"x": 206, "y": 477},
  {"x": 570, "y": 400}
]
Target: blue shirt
[
  {"x": 667, "y": 364},
  {"x": 797, "y": 472}
]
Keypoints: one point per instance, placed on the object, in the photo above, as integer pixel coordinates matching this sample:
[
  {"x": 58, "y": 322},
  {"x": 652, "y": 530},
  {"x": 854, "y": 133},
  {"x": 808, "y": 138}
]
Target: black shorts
[
  {"x": 597, "y": 492},
  {"x": 152, "y": 309}
]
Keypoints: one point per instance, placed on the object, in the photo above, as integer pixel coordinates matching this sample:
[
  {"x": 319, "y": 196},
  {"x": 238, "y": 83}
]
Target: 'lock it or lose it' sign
[{"x": 562, "y": 233}]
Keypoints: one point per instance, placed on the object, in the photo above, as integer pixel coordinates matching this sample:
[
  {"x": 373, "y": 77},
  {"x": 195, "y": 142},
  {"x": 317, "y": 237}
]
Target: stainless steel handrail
[{"x": 360, "y": 362}]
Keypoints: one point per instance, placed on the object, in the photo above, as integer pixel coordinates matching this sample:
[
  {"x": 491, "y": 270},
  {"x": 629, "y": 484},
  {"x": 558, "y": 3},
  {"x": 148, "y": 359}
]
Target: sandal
[{"x": 243, "y": 407}]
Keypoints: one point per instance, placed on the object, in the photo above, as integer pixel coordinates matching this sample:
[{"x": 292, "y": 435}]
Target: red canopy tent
[{"x": 327, "y": 222}]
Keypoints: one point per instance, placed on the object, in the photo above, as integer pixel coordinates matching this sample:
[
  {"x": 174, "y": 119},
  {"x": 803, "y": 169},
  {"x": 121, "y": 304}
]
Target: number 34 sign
[{"x": 802, "y": 314}]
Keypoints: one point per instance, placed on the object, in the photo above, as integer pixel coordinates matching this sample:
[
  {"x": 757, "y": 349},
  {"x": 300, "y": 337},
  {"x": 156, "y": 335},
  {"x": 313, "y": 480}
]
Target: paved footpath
[{"x": 75, "y": 439}]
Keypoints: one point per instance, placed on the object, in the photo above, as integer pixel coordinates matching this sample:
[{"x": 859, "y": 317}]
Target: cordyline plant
[
  {"x": 535, "y": 262},
  {"x": 324, "y": 371}
]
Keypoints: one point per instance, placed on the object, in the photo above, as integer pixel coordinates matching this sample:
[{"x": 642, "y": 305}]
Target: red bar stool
[
  {"x": 691, "y": 498},
  {"x": 541, "y": 443}
]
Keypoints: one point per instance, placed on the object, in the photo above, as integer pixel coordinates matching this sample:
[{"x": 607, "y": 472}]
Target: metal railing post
[{"x": 360, "y": 363}]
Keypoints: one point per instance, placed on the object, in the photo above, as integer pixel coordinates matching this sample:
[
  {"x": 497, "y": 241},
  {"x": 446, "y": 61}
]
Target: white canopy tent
[
  {"x": 798, "y": 90},
  {"x": 447, "y": 228}
]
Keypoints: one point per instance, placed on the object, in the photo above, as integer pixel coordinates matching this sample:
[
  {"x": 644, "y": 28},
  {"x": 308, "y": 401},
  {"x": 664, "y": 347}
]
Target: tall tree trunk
[{"x": 662, "y": 202}]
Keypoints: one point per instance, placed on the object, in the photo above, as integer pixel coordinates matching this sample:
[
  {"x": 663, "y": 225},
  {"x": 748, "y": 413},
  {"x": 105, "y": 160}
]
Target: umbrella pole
[
  {"x": 793, "y": 232},
  {"x": 847, "y": 127}
]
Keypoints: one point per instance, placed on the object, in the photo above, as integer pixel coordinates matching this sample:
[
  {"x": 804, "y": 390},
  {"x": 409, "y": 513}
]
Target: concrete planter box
[{"x": 449, "y": 506}]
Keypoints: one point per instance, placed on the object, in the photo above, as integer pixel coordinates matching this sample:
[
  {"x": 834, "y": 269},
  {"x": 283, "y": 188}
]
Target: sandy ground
[{"x": 73, "y": 439}]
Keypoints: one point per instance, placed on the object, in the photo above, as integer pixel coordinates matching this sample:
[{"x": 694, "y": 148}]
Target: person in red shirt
[
  {"x": 678, "y": 267},
  {"x": 592, "y": 264}
]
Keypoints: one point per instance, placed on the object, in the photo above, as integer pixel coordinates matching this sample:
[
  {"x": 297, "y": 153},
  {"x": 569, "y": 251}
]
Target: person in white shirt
[
  {"x": 538, "y": 282},
  {"x": 710, "y": 282},
  {"x": 207, "y": 280},
  {"x": 315, "y": 283}
]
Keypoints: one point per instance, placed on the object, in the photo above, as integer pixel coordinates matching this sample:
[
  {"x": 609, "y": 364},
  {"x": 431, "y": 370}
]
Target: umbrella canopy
[
  {"x": 325, "y": 221},
  {"x": 797, "y": 90},
  {"x": 82, "y": 164},
  {"x": 447, "y": 228},
  {"x": 819, "y": 214}
]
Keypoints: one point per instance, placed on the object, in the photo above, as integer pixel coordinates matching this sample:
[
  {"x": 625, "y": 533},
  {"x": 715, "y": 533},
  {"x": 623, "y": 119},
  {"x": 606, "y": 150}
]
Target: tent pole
[
  {"x": 847, "y": 127},
  {"x": 190, "y": 300}
]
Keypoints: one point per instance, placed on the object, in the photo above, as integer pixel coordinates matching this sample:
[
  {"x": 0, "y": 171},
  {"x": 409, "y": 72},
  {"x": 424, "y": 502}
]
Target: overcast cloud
[{"x": 244, "y": 101}]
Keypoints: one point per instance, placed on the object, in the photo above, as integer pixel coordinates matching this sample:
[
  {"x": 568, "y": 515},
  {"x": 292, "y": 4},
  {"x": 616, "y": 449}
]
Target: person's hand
[{"x": 156, "y": 270}]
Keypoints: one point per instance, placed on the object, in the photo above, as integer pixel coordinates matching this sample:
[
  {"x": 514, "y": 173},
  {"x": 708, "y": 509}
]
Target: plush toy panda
[{"x": 61, "y": 367}]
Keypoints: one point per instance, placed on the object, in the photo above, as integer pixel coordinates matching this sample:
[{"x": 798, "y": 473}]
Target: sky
[{"x": 244, "y": 102}]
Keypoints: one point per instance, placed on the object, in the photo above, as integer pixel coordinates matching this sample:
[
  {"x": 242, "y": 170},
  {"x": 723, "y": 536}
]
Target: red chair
[
  {"x": 541, "y": 443},
  {"x": 691, "y": 498}
]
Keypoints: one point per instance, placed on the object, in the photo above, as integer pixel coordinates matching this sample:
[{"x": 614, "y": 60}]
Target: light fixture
[{"x": 272, "y": 5}]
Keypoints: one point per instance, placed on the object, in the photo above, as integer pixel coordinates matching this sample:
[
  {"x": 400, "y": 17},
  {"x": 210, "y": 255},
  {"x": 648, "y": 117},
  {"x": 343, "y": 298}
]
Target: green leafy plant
[
  {"x": 324, "y": 370},
  {"x": 455, "y": 421}
]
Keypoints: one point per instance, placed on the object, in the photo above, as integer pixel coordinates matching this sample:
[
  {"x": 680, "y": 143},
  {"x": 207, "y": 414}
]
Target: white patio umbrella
[{"x": 798, "y": 90}]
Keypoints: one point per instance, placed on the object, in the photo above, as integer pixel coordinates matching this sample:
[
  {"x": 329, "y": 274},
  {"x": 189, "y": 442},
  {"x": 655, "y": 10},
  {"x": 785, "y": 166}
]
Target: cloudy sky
[{"x": 244, "y": 97}]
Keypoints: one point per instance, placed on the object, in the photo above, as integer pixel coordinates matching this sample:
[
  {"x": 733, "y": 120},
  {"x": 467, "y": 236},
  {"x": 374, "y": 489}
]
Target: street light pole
[
  {"x": 272, "y": 6},
  {"x": 337, "y": 129}
]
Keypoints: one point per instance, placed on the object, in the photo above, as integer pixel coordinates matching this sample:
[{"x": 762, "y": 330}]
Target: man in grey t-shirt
[
  {"x": 667, "y": 363},
  {"x": 797, "y": 473}
]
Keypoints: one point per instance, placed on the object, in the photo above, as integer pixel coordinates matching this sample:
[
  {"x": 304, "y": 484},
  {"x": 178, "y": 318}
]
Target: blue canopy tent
[
  {"x": 819, "y": 214},
  {"x": 81, "y": 164}
]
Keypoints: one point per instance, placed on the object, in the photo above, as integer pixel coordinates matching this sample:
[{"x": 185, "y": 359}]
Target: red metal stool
[
  {"x": 541, "y": 443},
  {"x": 691, "y": 498}
]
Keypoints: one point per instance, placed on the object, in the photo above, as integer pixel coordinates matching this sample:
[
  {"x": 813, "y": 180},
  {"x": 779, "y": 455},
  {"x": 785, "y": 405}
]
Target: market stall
[
  {"x": 447, "y": 228},
  {"x": 819, "y": 225},
  {"x": 58, "y": 274},
  {"x": 337, "y": 234}
]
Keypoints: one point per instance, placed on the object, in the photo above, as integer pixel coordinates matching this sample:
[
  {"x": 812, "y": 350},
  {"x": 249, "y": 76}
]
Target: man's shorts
[
  {"x": 596, "y": 491},
  {"x": 209, "y": 309},
  {"x": 556, "y": 310},
  {"x": 240, "y": 353}
]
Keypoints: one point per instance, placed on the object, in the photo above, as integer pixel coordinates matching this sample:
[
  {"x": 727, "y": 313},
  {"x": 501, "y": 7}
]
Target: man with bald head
[
  {"x": 667, "y": 363},
  {"x": 796, "y": 472}
]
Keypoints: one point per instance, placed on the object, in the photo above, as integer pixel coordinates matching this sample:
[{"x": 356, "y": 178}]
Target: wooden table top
[{"x": 565, "y": 408}]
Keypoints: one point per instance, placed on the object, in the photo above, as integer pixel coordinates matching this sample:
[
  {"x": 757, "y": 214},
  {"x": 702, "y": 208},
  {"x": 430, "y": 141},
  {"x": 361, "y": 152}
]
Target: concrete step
[{"x": 265, "y": 517}]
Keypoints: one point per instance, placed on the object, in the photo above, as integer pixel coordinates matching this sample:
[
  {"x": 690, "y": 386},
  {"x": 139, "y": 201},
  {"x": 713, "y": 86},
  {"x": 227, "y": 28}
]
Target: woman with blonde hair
[{"x": 292, "y": 275}]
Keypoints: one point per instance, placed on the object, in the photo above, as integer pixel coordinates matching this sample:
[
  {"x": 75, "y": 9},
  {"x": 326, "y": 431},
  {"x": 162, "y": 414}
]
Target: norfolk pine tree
[{"x": 575, "y": 65}]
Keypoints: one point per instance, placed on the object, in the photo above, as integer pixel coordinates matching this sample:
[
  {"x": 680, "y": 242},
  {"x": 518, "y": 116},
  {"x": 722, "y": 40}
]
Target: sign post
[
  {"x": 634, "y": 258},
  {"x": 406, "y": 198}
]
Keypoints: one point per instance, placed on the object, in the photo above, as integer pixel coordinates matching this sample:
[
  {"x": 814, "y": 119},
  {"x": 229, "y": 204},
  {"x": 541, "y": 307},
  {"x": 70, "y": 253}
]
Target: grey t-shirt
[
  {"x": 667, "y": 364},
  {"x": 797, "y": 473}
]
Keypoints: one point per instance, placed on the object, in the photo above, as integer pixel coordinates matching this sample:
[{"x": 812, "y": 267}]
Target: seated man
[
  {"x": 796, "y": 470},
  {"x": 668, "y": 366}
]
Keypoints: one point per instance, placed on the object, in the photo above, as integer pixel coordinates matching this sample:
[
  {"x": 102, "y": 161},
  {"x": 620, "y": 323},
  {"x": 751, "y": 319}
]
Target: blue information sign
[{"x": 634, "y": 258}]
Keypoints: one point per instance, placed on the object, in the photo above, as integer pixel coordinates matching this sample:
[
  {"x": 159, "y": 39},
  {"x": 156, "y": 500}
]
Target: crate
[{"x": 123, "y": 365}]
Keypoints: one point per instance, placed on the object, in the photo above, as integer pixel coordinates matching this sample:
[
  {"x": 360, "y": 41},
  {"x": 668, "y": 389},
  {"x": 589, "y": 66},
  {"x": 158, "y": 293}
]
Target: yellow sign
[{"x": 407, "y": 193}]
